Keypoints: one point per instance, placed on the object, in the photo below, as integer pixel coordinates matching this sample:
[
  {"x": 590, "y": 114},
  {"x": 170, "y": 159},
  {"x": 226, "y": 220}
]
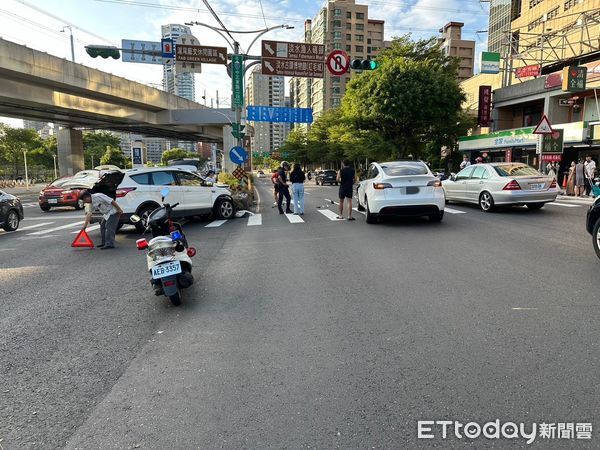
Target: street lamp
[
  {"x": 26, "y": 172},
  {"x": 55, "y": 171},
  {"x": 72, "y": 45}
]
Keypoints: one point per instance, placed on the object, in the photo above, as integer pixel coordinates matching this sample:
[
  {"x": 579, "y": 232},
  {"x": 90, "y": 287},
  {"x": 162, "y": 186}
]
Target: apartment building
[
  {"x": 452, "y": 44},
  {"x": 342, "y": 25}
]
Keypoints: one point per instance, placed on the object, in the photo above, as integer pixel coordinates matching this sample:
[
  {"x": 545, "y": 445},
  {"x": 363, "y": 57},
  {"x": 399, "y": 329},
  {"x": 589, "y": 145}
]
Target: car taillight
[
  {"x": 381, "y": 185},
  {"x": 122, "y": 192},
  {"x": 435, "y": 183},
  {"x": 553, "y": 184},
  {"x": 512, "y": 186},
  {"x": 141, "y": 244}
]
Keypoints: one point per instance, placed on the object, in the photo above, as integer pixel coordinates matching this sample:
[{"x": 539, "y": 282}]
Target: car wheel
[
  {"x": 225, "y": 209},
  {"x": 143, "y": 213},
  {"x": 80, "y": 204},
  {"x": 360, "y": 207},
  {"x": 12, "y": 221},
  {"x": 486, "y": 201},
  {"x": 534, "y": 206},
  {"x": 45, "y": 208},
  {"x": 596, "y": 238},
  {"x": 371, "y": 218},
  {"x": 436, "y": 217}
]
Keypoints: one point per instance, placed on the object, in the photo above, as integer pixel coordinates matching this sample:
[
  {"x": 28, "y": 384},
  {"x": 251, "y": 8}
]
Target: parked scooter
[{"x": 168, "y": 255}]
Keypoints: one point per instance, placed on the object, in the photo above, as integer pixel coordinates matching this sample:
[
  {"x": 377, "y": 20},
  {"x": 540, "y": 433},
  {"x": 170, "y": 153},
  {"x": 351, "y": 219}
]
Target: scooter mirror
[
  {"x": 135, "y": 218},
  {"x": 164, "y": 192}
]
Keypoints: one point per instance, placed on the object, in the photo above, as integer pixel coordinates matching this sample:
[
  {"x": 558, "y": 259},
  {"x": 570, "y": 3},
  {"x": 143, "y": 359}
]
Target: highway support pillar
[{"x": 70, "y": 151}]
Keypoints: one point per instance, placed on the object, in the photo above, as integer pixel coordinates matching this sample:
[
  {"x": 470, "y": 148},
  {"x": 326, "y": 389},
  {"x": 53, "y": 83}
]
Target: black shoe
[
  {"x": 107, "y": 247},
  {"x": 100, "y": 245},
  {"x": 289, "y": 212}
]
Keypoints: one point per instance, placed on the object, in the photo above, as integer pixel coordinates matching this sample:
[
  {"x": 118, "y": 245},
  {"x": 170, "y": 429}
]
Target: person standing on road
[
  {"x": 346, "y": 177},
  {"x": 274, "y": 177},
  {"x": 579, "y": 179},
  {"x": 571, "y": 180},
  {"x": 110, "y": 211},
  {"x": 590, "y": 173},
  {"x": 284, "y": 189},
  {"x": 297, "y": 178}
]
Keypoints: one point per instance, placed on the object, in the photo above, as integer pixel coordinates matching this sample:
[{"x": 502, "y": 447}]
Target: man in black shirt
[
  {"x": 284, "y": 189},
  {"x": 346, "y": 178}
]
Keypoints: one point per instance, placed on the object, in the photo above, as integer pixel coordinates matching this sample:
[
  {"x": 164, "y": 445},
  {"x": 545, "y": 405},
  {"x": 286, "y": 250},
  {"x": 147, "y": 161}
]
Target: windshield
[
  {"x": 515, "y": 170},
  {"x": 405, "y": 168}
]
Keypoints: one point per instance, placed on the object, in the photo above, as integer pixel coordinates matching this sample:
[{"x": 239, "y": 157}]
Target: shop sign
[
  {"x": 553, "y": 143},
  {"x": 485, "y": 106},
  {"x": 551, "y": 157},
  {"x": 490, "y": 62},
  {"x": 528, "y": 71},
  {"x": 574, "y": 78}
]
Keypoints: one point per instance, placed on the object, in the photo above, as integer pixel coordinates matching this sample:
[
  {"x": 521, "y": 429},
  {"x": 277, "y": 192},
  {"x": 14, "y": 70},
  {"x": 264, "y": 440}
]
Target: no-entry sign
[{"x": 338, "y": 62}]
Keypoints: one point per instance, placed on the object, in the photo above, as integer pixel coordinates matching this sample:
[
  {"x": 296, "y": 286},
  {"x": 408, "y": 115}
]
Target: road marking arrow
[
  {"x": 269, "y": 49},
  {"x": 269, "y": 66}
]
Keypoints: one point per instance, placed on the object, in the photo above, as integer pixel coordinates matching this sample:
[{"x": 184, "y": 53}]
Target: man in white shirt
[
  {"x": 110, "y": 211},
  {"x": 590, "y": 172},
  {"x": 465, "y": 162}
]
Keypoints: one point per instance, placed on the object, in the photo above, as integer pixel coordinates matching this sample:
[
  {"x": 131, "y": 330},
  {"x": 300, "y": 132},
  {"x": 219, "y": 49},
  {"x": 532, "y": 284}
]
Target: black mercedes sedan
[{"x": 11, "y": 211}]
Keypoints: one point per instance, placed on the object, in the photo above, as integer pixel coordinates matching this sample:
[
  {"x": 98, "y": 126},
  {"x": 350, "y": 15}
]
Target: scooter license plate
[{"x": 166, "y": 269}]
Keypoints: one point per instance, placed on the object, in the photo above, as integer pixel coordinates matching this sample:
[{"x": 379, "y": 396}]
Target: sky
[{"x": 38, "y": 24}]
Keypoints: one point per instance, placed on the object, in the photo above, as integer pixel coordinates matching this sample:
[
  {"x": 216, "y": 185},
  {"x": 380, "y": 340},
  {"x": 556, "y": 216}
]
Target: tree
[
  {"x": 14, "y": 142},
  {"x": 95, "y": 144},
  {"x": 411, "y": 100},
  {"x": 114, "y": 156},
  {"x": 177, "y": 153}
]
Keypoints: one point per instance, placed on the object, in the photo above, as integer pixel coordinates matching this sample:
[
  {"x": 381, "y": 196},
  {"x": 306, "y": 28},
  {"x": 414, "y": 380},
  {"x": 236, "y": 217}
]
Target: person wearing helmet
[{"x": 283, "y": 188}]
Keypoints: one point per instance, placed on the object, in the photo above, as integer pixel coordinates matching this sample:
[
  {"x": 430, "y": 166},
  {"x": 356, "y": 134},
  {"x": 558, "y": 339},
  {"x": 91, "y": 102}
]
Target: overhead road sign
[
  {"x": 275, "y": 114},
  {"x": 338, "y": 62},
  {"x": 292, "y": 51},
  {"x": 238, "y": 155},
  {"x": 201, "y": 54},
  {"x": 544, "y": 126},
  {"x": 306, "y": 69},
  {"x": 237, "y": 80},
  {"x": 145, "y": 52}
]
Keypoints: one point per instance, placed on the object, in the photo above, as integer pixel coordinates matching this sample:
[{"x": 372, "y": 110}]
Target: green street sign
[
  {"x": 574, "y": 78},
  {"x": 237, "y": 80},
  {"x": 553, "y": 143},
  {"x": 237, "y": 130}
]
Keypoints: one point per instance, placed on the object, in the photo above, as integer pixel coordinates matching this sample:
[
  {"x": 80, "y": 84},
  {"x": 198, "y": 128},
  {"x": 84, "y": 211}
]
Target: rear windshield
[
  {"x": 405, "y": 168},
  {"x": 515, "y": 170},
  {"x": 329, "y": 172}
]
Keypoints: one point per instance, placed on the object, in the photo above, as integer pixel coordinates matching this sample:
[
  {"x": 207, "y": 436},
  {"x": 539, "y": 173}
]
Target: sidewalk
[
  {"x": 21, "y": 190},
  {"x": 565, "y": 197}
]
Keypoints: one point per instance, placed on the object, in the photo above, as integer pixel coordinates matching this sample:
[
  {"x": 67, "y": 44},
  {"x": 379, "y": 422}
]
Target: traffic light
[
  {"x": 364, "y": 64},
  {"x": 104, "y": 51}
]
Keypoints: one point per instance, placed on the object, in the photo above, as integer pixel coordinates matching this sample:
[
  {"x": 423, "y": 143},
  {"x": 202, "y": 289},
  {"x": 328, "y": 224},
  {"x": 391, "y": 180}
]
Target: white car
[
  {"x": 137, "y": 191},
  {"x": 401, "y": 188}
]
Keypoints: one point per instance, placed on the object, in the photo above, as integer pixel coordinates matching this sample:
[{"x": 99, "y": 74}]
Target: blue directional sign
[
  {"x": 238, "y": 155},
  {"x": 167, "y": 48},
  {"x": 277, "y": 114}
]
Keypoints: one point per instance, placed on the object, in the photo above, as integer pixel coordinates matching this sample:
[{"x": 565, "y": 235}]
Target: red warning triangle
[
  {"x": 82, "y": 240},
  {"x": 543, "y": 127}
]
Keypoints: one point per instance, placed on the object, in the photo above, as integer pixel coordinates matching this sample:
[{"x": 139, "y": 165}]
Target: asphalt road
[{"x": 318, "y": 334}]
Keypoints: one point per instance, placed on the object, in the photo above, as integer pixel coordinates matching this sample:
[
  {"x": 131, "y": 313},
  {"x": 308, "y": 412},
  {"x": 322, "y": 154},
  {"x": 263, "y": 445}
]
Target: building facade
[
  {"x": 182, "y": 84},
  {"x": 155, "y": 146},
  {"x": 264, "y": 90},
  {"x": 499, "y": 24},
  {"x": 339, "y": 25},
  {"x": 452, "y": 44}
]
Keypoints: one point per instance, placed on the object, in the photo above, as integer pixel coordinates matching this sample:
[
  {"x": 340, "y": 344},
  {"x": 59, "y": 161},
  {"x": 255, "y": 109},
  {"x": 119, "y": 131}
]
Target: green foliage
[
  {"x": 227, "y": 178},
  {"x": 14, "y": 142},
  {"x": 114, "y": 156},
  {"x": 177, "y": 153},
  {"x": 95, "y": 145}
]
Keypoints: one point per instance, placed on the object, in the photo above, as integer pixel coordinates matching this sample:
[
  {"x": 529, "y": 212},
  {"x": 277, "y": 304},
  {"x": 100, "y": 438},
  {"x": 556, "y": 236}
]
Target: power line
[
  {"x": 217, "y": 18},
  {"x": 263, "y": 13}
]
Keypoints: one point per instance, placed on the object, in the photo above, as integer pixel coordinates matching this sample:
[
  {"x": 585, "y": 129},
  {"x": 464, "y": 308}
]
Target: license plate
[
  {"x": 52, "y": 201},
  {"x": 166, "y": 269},
  {"x": 411, "y": 190},
  {"x": 536, "y": 186}
]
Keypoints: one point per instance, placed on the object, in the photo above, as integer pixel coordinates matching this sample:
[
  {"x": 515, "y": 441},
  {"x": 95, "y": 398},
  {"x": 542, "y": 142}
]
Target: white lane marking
[
  {"x": 293, "y": 218},
  {"x": 54, "y": 217},
  {"x": 329, "y": 214},
  {"x": 255, "y": 220},
  {"x": 454, "y": 211},
  {"x": 563, "y": 204},
  {"x": 215, "y": 223},
  {"x": 360, "y": 212},
  {"x": 50, "y": 230},
  {"x": 92, "y": 228},
  {"x": 37, "y": 225},
  {"x": 523, "y": 309}
]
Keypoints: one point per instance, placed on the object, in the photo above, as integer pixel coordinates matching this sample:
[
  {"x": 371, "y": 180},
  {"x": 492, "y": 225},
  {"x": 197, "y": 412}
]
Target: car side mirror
[{"x": 453, "y": 176}]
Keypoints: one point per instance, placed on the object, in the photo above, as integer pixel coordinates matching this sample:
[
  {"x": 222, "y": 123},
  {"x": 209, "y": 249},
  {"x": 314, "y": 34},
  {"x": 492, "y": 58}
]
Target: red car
[{"x": 66, "y": 191}]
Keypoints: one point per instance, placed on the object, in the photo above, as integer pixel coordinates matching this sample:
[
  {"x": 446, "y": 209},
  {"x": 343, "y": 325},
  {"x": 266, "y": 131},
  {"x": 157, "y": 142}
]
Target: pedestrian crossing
[{"x": 40, "y": 227}]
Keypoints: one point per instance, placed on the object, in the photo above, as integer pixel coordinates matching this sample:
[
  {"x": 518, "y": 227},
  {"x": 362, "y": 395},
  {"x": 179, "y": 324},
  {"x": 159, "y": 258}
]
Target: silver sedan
[{"x": 495, "y": 184}]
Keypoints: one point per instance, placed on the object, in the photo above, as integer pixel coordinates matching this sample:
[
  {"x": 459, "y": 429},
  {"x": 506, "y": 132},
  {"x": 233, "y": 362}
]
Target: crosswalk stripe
[
  {"x": 329, "y": 214},
  {"x": 37, "y": 225},
  {"x": 215, "y": 223},
  {"x": 255, "y": 220},
  {"x": 294, "y": 218},
  {"x": 454, "y": 211},
  {"x": 563, "y": 204},
  {"x": 92, "y": 228},
  {"x": 50, "y": 230},
  {"x": 574, "y": 200}
]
